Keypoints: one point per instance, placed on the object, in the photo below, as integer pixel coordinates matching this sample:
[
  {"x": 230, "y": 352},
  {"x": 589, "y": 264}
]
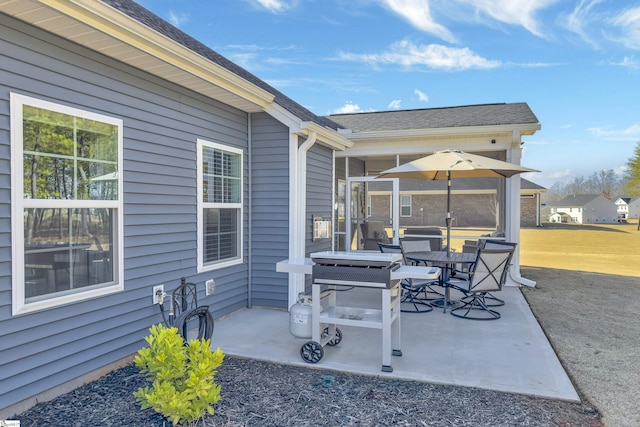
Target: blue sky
[{"x": 575, "y": 62}]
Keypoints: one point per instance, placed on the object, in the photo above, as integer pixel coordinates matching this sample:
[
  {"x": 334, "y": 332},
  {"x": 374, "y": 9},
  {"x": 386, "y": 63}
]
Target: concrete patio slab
[{"x": 511, "y": 354}]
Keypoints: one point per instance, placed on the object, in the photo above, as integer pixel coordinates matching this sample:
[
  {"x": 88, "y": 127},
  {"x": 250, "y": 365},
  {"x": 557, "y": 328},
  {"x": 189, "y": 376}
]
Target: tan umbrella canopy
[{"x": 453, "y": 164}]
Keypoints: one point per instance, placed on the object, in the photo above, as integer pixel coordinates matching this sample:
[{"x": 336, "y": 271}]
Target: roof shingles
[
  {"x": 156, "y": 23},
  {"x": 467, "y": 115}
]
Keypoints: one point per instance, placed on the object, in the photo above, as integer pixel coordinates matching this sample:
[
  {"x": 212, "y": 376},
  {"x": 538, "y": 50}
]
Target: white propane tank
[{"x": 300, "y": 317}]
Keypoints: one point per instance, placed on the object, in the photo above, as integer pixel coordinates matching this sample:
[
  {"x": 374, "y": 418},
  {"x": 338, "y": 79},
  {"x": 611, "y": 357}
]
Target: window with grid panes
[
  {"x": 405, "y": 205},
  {"x": 219, "y": 205},
  {"x": 66, "y": 204}
]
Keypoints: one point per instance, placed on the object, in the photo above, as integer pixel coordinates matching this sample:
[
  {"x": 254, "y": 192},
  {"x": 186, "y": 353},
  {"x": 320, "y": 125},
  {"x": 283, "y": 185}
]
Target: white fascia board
[
  {"x": 285, "y": 117},
  {"x": 133, "y": 33},
  {"x": 327, "y": 136},
  {"x": 305, "y": 128},
  {"x": 524, "y": 129}
]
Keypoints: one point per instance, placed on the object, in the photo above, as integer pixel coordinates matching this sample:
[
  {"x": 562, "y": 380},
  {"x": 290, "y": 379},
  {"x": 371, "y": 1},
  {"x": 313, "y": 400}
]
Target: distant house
[
  {"x": 583, "y": 209},
  {"x": 634, "y": 208},
  {"x": 622, "y": 204}
]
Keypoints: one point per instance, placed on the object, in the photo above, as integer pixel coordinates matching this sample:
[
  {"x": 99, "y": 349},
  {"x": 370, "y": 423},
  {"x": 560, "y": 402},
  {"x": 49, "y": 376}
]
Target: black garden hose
[{"x": 205, "y": 322}]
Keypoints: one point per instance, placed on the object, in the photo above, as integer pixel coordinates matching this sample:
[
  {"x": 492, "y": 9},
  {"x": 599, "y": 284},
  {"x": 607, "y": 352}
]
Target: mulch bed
[{"x": 256, "y": 393}]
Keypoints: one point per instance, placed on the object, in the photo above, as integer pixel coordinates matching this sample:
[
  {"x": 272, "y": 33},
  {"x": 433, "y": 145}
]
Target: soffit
[
  {"x": 421, "y": 142},
  {"x": 101, "y": 28}
]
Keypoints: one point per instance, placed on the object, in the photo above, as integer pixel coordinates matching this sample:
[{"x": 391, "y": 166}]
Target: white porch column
[{"x": 512, "y": 226}]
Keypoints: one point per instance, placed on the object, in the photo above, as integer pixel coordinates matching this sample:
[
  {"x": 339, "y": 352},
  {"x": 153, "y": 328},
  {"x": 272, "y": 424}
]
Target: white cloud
[
  {"x": 178, "y": 19},
  {"x": 513, "y": 12},
  {"x": 246, "y": 61},
  {"x": 348, "y": 108},
  {"x": 434, "y": 56},
  {"x": 627, "y": 62},
  {"x": 632, "y": 133},
  {"x": 561, "y": 174},
  {"x": 283, "y": 61},
  {"x": 395, "y": 104},
  {"x": 548, "y": 178},
  {"x": 418, "y": 13},
  {"x": 628, "y": 25},
  {"x": 620, "y": 170},
  {"x": 580, "y": 18},
  {"x": 421, "y": 95},
  {"x": 274, "y": 6}
]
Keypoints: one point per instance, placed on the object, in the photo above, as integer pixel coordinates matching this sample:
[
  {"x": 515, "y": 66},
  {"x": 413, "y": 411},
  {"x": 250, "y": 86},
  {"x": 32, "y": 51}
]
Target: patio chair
[
  {"x": 487, "y": 274},
  {"x": 436, "y": 242},
  {"x": 411, "y": 288},
  {"x": 472, "y": 246},
  {"x": 373, "y": 232},
  {"x": 408, "y": 245},
  {"x": 490, "y": 299}
]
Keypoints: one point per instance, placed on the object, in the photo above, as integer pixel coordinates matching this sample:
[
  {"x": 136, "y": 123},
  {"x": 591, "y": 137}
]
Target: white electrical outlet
[
  {"x": 210, "y": 287},
  {"x": 158, "y": 294}
]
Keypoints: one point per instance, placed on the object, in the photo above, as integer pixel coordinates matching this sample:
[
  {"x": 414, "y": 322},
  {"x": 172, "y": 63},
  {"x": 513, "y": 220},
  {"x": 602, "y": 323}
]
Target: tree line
[{"x": 605, "y": 182}]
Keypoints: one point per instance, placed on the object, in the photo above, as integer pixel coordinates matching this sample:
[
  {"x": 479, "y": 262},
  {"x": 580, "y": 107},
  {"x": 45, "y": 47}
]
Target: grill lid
[{"x": 356, "y": 258}]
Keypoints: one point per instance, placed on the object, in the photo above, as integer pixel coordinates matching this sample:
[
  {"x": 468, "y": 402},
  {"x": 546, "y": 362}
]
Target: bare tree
[
  {"x": 605, "y": 183},
  {"x": 577, "y": 185}
]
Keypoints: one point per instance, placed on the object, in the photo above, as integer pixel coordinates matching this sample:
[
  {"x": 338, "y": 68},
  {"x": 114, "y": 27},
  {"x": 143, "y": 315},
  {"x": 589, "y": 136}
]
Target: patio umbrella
[{"x": 450, "y": 164}]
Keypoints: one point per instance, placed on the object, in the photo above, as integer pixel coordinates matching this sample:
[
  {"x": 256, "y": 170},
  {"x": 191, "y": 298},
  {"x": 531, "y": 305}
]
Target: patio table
[{"x": 445, "y": 260}]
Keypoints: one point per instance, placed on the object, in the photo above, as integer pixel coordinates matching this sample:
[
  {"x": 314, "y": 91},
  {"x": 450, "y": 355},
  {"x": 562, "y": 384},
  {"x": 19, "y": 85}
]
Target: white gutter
[
  {"x": 298, "y": 206},
  {"x": 328, "y": 136},
  {"x": 301, "y": 199},
  {"x": 250, "y": 213}
]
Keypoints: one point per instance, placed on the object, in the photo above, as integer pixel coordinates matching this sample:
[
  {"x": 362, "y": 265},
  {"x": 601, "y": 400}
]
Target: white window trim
[
  {"x": 404, "y": 206},
  {"x": 200, "y": 206},
  {"x": 19, "y": 305}
]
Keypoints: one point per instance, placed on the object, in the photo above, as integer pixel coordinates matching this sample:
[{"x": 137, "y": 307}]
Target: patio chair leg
[
  {"x": 478, "y": 304},
  {"x": 416, "y": 305},
  {"x": 493, "y": 300}
]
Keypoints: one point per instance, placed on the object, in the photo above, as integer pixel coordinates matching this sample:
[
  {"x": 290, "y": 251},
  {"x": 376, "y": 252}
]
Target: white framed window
[
  {"x": 368, "y": 206},
  {"x": 219, "y": 205},
  {"x": 405, "y": 205},
  {"x": 66, "y": 204}
]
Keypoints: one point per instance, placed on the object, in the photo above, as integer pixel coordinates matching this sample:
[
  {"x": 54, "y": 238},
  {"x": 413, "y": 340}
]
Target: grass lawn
[{"x": 596, "y": 248}]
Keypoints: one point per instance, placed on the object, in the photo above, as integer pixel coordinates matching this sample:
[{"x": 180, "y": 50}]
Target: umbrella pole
[{"x": 448, "y": 219}]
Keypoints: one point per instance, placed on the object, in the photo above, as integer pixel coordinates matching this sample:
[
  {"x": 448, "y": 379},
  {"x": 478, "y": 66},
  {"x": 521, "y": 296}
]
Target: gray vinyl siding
[
  {"x": 319, "y": 188},
  {"x": 270, "y": 210},
  {"x": 162, "y": 121}
]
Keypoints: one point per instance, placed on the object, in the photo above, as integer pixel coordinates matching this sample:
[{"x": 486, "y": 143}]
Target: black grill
[{"x": 355, "y": 269}]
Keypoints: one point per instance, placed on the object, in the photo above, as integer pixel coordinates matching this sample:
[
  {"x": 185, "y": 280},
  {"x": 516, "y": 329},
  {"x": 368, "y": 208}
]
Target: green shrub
[{"x": 182, "y": 375}]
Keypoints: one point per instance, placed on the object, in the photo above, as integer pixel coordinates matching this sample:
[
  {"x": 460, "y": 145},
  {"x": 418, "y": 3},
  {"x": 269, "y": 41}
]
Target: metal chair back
[
  {"x": 410, "y": 245},
  {"x": 490, "y": 269},
  {"x": 436, "y": 242}
]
